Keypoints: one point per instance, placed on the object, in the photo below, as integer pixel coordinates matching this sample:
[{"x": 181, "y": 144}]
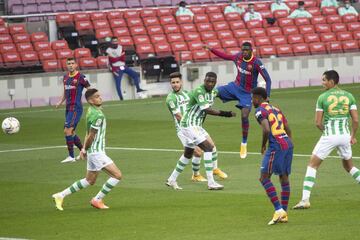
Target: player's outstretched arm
[
  {"x": 222, "y": 54},
  {"x": 220, "y": 112},
  {"x": 354, "y": 125}
]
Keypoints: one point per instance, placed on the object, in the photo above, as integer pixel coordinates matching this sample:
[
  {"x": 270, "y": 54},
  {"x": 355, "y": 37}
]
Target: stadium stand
[{"x": 150, "y": 27}]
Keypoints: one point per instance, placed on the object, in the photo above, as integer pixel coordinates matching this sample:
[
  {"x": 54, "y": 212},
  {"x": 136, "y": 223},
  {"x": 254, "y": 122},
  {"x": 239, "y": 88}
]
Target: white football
[{"x": 10, "y": 125}]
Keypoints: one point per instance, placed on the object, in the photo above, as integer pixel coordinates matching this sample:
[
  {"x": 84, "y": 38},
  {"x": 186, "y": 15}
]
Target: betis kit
[
  {"x": 97, "y": 158},
  {"x": 336, "y": 105},
  {"x": 192, "y": 120},
  {"x": 177, "y": 103}
]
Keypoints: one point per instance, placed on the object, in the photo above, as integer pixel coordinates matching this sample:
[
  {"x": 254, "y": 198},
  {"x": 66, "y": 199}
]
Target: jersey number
[
  {"x": 344, "y": 101},
  {"x": 277, "y": 127}
]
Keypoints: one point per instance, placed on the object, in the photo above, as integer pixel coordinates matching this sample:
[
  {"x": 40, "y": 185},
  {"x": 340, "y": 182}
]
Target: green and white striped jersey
[
  {"x": 95, "y": 119},
  {"x": 177, "y": 103},
  {"x": 336, "y": 105},
  {"x": 200, "y": 99}
]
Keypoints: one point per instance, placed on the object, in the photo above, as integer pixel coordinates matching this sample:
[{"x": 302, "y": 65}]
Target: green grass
[{"x": 142, "y": 207}]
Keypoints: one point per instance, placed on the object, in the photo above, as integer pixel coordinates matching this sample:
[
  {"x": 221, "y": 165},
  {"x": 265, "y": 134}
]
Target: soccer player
[
  {"x": 94, "y": 150},
  {"x": 248, "y": 68},
  {"x": 177, "y": 102},
  {"x": 116, "y": 55},
  {"x": 191, "y": 131},
  {"x": 334, "y": 108},
  {"x": 74, "y": 83},
  {"x": 278, "y": 156}
]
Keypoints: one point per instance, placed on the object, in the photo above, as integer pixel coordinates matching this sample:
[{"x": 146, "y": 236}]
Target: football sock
[
  {"x": 209, "y": 167},
  {"x": 106, "y": 188},
  {"x": 77, "y": 142},
  {"x": 196, "y": 165},
  {"x": 355, "y": 173},
  {"x": 245, "y": 129},
  {"x": 271, "y": 192},
  {"x": 70, "y": 145},
  {"x": 285, "y": 195},
  {"x": 309, "y": 182},
  {"x": 183, "y": 161},
  {"x": 76, "y": 186},
  {"x": 214, "y": 158}
]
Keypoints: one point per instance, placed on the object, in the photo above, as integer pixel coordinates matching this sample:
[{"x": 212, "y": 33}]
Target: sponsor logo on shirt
[
  {"x": 243, "y": 71},
  {"x": 69, "y": 87}
]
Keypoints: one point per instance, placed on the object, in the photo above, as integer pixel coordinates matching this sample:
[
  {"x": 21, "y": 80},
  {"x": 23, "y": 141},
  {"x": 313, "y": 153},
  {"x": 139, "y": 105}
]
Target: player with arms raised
[
  {"x": 74, "y": 83},
  {"x": 278, "y": 156},
  {"x": 192, "y": 132},
  {"x": 334, "y": 107},
  {"x": 248, "y": 68}
]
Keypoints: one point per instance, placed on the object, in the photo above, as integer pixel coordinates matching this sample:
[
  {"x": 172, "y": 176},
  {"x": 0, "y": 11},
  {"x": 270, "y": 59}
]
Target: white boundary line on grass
[
  {"x": 145, "y": 149},
  {"x": 5, "y": 238}
]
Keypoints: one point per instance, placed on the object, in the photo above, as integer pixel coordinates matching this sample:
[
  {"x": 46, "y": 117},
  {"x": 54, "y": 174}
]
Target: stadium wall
[{"x": 285, "y": 72}]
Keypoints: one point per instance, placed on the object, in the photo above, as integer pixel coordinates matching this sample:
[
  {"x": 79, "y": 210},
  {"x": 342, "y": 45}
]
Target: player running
[
  {"x": 192, "y": 134},
  {"x": 94, "y": 150},
  {"x": 248, "y": 68},
  {"x": 74, "y": 83},
  {"x": 177, "y": 102},
  {"x": 278, "y": 156},
  {"x": 334, "y": 107}
]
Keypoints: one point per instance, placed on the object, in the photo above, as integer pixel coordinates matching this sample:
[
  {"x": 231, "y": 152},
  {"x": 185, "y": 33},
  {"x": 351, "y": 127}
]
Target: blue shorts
[
  {"x": 277, "y": 161},
  {"x": 72, "y": 118},
  {"x": 232, "y": 92}
]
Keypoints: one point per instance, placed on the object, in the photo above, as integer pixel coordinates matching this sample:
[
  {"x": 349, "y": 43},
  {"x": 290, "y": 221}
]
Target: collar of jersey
[
  {"x": 73, "y": 75},
  {"x": 252, "y": 56}
]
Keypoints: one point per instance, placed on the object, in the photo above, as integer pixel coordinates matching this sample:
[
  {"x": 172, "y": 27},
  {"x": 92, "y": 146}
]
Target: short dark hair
[
  {"x": 70, "y": 59},
  {"x": 332, "y": 75},
  {"x": 246, "y": 44},
  {"x": 175, "y": 75},
  {"x": 259, "y": 91},
  {"x": 301, "y": 3},
  {"x": 211, "y": 74},
  {"x": 89, "y": 93}
]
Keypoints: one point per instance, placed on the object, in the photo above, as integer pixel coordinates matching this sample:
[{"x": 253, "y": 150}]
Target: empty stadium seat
[
  {"x": 160, "y": 38},
  {"x": 59, "y": 44},
  {"x": 23, "y": 47},
  {"x": 289, "y": 30},
  {"x": 182, "y": 19},
  {"x": 7, "y": 47},
  {"x": 175, "y": 37},
  {"x": 17, "y": 29},
  {"x": 333, "y": 19},
  {"x": 328, "y": 37},
  {"x": 201, "y": 55},
  {"x": 311, "y": 37},
  {"x": 295, "y": 38},
  {"x": 353, "y": 26},
  {"x": 204, "y": 27},
  {"x": 317, "y": 48},
  {"x": 300, "y": 49},
  {"x": 195, "y": 45},
  {"x": 301, "y": 21},
  {"x": 305, "y": 29},
  {"x": 329, "y": 11},
  {"x": 39, "y": 37},
  {"x": 233, "y": 17},
  {"x": 172, "y": 28},
  {"x": 117, "y": 23},
  {"x": 350, "y": 46},
  {"x": 102, "y": 34},
  {"x": 241, "y": 33},
  {"x": 273, "y": 31},
  {"x": 344, "y": 36},
  {"x": 163, "y": 49},
  {"x": 179, "y": 46},
  {"x": 262, "y": 41},
  {"x": 285, "y": 22},
  {"x": 82, "y": 53},
  {"x": 29, "y": 58},
  {"x": 12, "y": 59},
  {"x": 254, "y": 24},
  {"x": 141, "y": 39},
  {"x": 349, "y": 18},
  {"x": 284, "y": 50},
  {"x": 144, "y": 50},
  {"x": 121, "y": 32},
  {"x": 138, "y": 30},
  {"x": 147, "y": 12},
  {"x": 318, "y": 20},
  {"x": 183, "y": 56},
  {"x": 87, "y": 63},
  {"x": 51, "y": 65},
  {"x": 338, "y": 27},
  {"x": 150, "y": 21},
  {"x": 101, "y": 24},
  {"x": 192, "y": 36},
  {"x": 47, "y": 55},
  {"x": 186, "y": 28},
  {"x": 64, "y": 53},
  {"x": 4, "y": 30},
  {"x": 102, "y": 62},
  {"x": 267, "y": 51},
  {"x": 155, "y": 30},
  {"x": 278, "y": 14},
  {"x": 234, "y": 25},
  {"x": 257, "y": 32},
  {"x": 21, "y": 38},
  {"x": 39, "y": 46},
  {"x": 322, "y": 28},
  {"x": 334, "y": 47},
  {"x": 228, "y": 43}
]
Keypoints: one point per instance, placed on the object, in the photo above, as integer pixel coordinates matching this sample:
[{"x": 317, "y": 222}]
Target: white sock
[
  {"x": 309, "y": 182},
  {"x": 209, "y": 167},
  {"x": 355, "y": 173},
  {"x": 76, "y": 186},
  {"x": 180, "y": 165},
  {"x": 106, "y": 188},
  {"x": 215, "y": 158},
  {"x": 196, "y": 165}
]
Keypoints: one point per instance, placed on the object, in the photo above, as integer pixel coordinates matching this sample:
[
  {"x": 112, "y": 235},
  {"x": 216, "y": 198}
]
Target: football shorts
[
  {"x": 277, "y": 161},
  {"x": 192, "y": 136},
  {"x": 72, "y": 118},
  {"x": 326, "y": 144},
  {"x": 97, "y": 161},
  {"x": 231, "y": 92}
]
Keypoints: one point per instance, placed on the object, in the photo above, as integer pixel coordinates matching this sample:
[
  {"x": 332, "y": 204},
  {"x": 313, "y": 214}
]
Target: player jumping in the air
[{"x": 248, "y": 68}]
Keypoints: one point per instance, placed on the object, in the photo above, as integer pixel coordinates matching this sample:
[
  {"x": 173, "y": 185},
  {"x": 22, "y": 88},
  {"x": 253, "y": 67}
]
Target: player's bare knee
[
  {"x": 118, "y": 176},
  {"x": 91, "y": 181},
  {"x": 347, "y": 164},
  {"x": 197, "y": 152}
]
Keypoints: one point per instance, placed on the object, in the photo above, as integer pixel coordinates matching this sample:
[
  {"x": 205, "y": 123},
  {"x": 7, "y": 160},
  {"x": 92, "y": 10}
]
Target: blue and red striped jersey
[
  {"x": 247, "y": 71},
  {"x": 277, "y": 120},
  {"x": 73, "y": 87}
]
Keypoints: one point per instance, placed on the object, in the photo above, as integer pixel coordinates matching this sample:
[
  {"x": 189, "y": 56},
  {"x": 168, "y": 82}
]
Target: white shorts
[
  {"x": 192, "y": 136},
  {"x": 97, "y": 161},
  {"x": 326, "y": 144}
]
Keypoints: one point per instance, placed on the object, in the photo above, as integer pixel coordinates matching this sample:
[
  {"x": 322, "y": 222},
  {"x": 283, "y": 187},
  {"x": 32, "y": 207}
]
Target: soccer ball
[{"x": 10, "y": 125}]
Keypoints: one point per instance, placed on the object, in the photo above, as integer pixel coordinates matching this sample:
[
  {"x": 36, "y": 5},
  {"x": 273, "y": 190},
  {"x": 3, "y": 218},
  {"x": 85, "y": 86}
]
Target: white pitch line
[
  {"x": 63, "y": 109},
  {"x": 146, "y": 149},
  {"x": 5, "y": 238}
]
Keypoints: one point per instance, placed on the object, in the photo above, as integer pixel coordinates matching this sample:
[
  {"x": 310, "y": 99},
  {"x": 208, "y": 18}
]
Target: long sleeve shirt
[
  {"x": 116, "y": 57},
  {"x": 252, "y": 16},
  {"x": 351, "y": 10},
  {"x": 247, "y": 71},
  {"x": 297, "y": 13}
]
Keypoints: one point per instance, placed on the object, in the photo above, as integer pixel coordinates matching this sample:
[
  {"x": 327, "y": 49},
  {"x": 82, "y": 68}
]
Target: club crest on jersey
[
  {"x": 98, "y": 122},
  {"x": 201, "y": 98},
  {"x": 172, "y": 105}
]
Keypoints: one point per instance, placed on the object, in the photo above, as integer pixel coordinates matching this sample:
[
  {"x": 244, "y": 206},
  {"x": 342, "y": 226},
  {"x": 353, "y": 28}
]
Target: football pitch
[{"x": 141, "y": 140}]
